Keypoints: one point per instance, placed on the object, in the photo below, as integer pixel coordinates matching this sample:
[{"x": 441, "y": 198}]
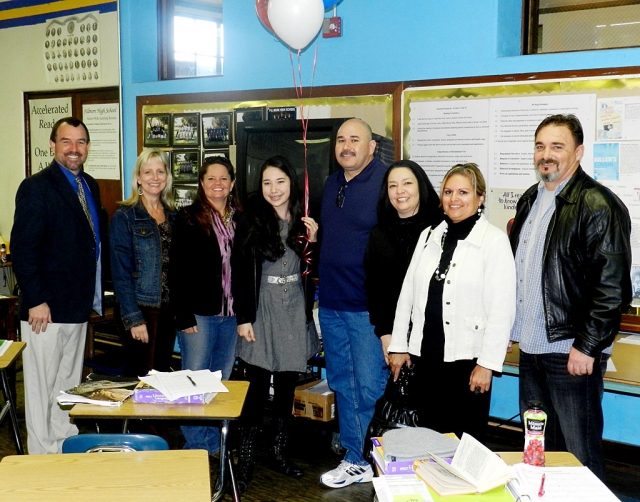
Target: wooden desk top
[
  {"x": 225, "y": 406},
  {"x": 12, "y": 353},
  {"x": 625, "y": 358},
  {"x": 552, "y": 458},
  {"x": 129, "y": 476}
]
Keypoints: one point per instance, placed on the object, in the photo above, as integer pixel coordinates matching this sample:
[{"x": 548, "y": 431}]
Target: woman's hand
[
  {"x": 510, "y": 347},
  {"x": 480, "y": 379},
  {"x": 385, "y": 340},
  {"x": 140, "y": 333},
  {"x": 312, "y": 228},
  {"x": 190, "y": 331},
  {"x": 396, "y": 361},
  {"x": 246, "y": 331}
]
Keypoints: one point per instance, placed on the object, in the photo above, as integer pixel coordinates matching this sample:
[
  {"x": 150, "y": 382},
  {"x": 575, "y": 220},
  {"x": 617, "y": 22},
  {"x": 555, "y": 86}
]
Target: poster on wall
[
  {"x": 103, "y": 122},
  {"x": 43, "y": 113},
  {"x": 71, "y": 49}
]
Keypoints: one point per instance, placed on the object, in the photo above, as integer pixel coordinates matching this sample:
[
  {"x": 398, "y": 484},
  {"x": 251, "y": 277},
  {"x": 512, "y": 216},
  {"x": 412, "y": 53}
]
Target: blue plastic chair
[{"x": 94, "y": 443}]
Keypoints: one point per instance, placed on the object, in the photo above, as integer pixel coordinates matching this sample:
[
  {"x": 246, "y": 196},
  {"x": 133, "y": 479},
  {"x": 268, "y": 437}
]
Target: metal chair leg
[
  {"x": 10, "y": 407},
  {"x": 221, "y": 482},
  {"x": 232, "y": 476}
]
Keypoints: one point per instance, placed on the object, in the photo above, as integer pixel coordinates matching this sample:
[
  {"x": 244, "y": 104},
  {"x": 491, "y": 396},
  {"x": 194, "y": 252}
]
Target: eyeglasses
[{"x": 341, "y": 196}]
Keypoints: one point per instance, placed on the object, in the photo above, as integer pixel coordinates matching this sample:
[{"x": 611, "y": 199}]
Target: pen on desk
[
  {"x": 191, "y": 380},
  {"x": 541, "y": 490}
]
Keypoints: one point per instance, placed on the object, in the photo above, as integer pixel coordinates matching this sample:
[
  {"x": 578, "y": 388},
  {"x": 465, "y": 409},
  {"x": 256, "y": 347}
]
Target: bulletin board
[
  {"x": 376, "y": 110},
  {"x": 99, "y": 108},
  {"x": 493, "y": 125},
  {"x": 193, "y": 127}
]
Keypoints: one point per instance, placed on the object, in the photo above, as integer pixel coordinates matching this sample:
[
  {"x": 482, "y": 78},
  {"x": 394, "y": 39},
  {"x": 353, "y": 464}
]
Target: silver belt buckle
[{"x": 282, "y": 279}]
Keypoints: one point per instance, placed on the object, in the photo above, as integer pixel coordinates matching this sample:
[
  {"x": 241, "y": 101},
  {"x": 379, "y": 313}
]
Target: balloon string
[{"x": 297, "y": 84}]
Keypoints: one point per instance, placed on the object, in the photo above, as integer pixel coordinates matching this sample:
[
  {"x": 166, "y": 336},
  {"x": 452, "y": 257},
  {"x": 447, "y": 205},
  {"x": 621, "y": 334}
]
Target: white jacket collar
[{"x": 475, "y": 237}]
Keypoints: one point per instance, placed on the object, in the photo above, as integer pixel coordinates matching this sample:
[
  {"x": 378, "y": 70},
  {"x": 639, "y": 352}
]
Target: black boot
[
  {"x": 279, "y": 459},
  {"x": 244, "y": 471}
]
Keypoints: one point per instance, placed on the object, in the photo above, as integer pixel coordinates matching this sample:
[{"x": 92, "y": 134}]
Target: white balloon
[{"x": 296, "y": 22}]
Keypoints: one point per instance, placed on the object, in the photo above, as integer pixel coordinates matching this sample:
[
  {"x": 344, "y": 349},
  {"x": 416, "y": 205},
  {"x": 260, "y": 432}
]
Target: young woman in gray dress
[{"x": 273, "y": 306}]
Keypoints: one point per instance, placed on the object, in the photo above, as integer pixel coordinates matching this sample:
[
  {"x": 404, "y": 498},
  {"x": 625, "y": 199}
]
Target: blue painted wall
[
  {"x": 383, "y": 41},
  {"x": 621, "y": 409}
]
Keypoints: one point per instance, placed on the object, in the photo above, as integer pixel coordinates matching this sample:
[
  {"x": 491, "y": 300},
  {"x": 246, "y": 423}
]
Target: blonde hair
[{"x": 145, "y": 156}]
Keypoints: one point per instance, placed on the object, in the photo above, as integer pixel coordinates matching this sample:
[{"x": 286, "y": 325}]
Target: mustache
[
  {"x": 347, "y": 153},
  {"x": 546, "y": 161}
]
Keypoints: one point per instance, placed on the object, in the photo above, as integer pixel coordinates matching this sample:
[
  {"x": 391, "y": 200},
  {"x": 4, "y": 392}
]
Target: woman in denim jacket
[{"x": 140, "y": 238}]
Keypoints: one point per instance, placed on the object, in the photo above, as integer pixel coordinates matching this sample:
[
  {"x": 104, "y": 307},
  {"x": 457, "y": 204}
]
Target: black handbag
[{"x": 396, "y": 408}]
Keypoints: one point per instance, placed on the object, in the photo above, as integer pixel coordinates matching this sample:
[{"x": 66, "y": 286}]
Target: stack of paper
[{"x": 184, "y": 383}]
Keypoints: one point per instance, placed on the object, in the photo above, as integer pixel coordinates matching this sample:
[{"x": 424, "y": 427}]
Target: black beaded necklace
[
  {"x": 440, "y": 276},
  {"x": 455, "y": 232}
]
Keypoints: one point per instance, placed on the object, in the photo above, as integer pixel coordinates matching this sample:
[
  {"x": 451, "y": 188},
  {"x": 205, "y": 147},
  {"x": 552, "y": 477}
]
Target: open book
[
  {"x": 100, "y": 392},
  {"x": 474, "y": 469}
]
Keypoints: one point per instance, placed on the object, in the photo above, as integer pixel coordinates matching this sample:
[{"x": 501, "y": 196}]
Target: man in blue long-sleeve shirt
[{"x": 353, "y": 352}]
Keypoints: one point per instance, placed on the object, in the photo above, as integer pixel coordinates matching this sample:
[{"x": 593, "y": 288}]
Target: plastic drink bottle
[{"x": 535, "y": 421}]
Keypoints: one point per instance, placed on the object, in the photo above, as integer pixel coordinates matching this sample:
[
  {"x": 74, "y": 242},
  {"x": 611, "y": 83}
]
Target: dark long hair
[
  {"x": 200, "y": 211},
  {"x": 429, "y": 210},
  {"x": 265, "y": 232}
]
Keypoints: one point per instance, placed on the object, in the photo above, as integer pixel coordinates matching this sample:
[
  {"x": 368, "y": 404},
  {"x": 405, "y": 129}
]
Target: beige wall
[{"x": 22, "y": 70}]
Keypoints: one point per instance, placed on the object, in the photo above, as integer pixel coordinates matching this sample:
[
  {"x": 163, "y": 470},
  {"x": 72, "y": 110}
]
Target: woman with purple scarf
[{"x": 200, "y": 280}]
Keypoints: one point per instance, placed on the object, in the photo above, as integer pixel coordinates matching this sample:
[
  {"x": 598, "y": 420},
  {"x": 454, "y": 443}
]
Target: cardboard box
[{"x": 314, "y": 400}]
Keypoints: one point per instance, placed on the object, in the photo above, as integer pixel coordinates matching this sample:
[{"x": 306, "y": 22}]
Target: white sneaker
[{"x": 347, "y": 473}]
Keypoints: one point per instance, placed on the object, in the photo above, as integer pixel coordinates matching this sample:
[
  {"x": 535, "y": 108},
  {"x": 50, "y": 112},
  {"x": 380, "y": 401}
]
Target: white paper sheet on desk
[
  {"x": 389, "y": 487},
  {"x": 4, "y": 346},
  {"x": 632, "y": 339},
  {"x": 179, "y": 383},
  {"x": 562, "y": 484}
]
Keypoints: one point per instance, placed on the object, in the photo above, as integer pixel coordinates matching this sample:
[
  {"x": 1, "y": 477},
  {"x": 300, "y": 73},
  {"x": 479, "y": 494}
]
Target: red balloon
[{"x": 261, "y": 9}]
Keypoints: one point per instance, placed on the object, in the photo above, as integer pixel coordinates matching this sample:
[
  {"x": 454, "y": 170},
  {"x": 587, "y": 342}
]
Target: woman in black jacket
[
  {"x": 273, "y": 307},
  {"x": 200, "y": 279},
  {"x": 408, "y": 204}
]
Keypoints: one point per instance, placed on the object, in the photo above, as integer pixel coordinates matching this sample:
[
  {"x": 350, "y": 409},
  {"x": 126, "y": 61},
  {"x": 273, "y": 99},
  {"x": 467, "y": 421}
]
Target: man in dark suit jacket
[{"x": 55, "y": 249}]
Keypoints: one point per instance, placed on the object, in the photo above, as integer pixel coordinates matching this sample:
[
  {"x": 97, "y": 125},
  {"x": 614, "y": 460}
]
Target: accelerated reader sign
[{"x": 43, "y": 113}]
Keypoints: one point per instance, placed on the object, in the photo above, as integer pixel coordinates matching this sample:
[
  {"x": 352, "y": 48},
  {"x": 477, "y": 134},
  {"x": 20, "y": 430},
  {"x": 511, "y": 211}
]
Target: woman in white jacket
[{"x": 455, "y": 310}]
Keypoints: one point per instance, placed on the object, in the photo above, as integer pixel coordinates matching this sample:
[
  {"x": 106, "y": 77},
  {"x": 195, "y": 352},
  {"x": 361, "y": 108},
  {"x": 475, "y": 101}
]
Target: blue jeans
[
  {"x": 355, "y": 371},
  {"x": 213, "y": 347},
  {"x": 572, "y": 403}
]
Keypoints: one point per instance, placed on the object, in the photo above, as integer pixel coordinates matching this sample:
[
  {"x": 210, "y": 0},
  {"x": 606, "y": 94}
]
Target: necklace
[
  {"x": 439, "y": 276},
  {"x": 226, "y": 219}
]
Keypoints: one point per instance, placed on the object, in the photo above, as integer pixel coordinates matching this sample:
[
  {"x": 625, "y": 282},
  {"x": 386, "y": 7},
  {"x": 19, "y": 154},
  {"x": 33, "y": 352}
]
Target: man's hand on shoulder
[
  {"x": 39, "y": 317},
  {"x": 579, "y": 363}
]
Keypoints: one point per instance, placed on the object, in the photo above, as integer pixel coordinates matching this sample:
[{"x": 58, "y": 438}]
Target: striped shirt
[{"x": 530, "y": 327}]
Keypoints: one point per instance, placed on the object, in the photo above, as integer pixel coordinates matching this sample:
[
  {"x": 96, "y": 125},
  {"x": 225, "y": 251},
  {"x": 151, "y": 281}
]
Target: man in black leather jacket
[{"x": 571, "y": 240}]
